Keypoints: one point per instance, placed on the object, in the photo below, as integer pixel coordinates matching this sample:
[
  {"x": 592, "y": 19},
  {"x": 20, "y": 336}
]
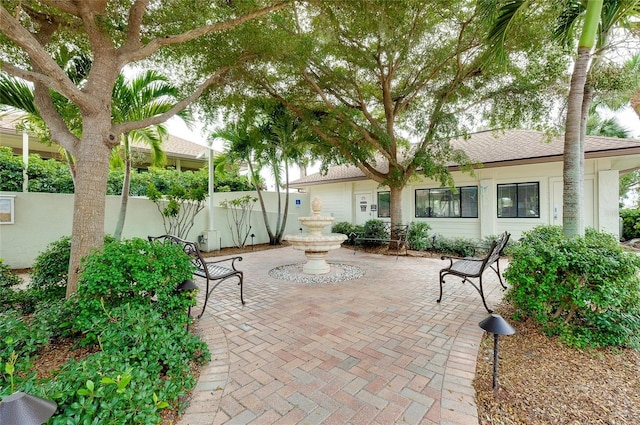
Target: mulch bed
[{"x": 542, "y": 381}]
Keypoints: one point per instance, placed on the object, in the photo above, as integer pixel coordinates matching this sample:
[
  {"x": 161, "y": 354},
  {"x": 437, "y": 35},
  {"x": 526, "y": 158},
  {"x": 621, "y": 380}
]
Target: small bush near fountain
[{"x": 346, "y": 228}]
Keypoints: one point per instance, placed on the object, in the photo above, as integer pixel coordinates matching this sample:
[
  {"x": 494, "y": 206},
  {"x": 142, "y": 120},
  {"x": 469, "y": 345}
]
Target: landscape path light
[
  {"x": 496, "y": 325},
  {"x": 25, "y": 409},
  {"x": 186, "y": 285}
]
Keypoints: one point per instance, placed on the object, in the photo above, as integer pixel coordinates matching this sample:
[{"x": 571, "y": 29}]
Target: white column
[
  {"x": 608, "y": 218},
  {"x": 487, "y": 207}
]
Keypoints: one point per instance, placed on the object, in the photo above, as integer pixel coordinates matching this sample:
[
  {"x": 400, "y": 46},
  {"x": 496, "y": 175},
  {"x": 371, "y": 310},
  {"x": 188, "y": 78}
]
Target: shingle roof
[
  {"x": 499, "y": 148},
  {"x": 177, "y": 147}
]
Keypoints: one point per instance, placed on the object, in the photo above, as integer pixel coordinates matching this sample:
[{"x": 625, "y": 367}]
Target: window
[
  {"x": 519, "y": 200},
  {"x": 445, "y": 203},
  {"x": 384, "y": 204}
]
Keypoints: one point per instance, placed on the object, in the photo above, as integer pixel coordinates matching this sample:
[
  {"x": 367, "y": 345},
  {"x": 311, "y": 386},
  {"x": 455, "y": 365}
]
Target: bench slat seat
[
  {"x": 469, "y": 267},
  {"x": 474, "y": 267},
  {"x": 213, "y": 271}
]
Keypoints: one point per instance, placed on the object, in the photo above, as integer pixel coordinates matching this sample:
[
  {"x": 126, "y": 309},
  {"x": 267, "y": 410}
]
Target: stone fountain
[{"x": 315, "y": 244}]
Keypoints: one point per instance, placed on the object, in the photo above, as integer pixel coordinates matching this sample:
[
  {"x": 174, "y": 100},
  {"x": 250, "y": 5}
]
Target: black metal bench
[
  {"x": 394, "y": 234},
  {"x": 474, "y": 267},
  {"x": 214, "y": 272}
]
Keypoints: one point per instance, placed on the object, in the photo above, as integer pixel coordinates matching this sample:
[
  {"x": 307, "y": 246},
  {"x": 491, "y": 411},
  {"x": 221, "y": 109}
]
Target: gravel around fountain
[{"x": 339, "y": 273}]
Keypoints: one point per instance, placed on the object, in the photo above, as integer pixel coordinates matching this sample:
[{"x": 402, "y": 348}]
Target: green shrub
[
  {"x": 418, "y": 236},
  {"x": 49, "y": 175},
  {"x": 586, "y": 290},
  {"x": 630, "y": 223},
  {"x": 8, "y": 278},
  {"x": 127, "y": 306},
  {"x": 11, "y": 167},
  {"x": 375, "y": 229},
  {"x": 344, "y": 227},
  {"x": 51, "y": 267},
  {"x": 460, "y": 247},
  {"x": 133, "y": 271}
]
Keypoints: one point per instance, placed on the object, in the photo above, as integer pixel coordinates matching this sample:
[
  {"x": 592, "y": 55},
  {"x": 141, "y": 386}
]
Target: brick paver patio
[{"x": 376, "y": 350}]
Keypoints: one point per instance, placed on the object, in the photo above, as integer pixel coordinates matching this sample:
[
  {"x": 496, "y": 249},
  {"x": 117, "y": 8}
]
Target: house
[
  {"x": 181, "y": 154},
  {"x": 517, "y": 186}
]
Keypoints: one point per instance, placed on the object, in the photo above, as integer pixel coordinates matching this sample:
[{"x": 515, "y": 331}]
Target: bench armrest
[{"x": 232, "y": 259}]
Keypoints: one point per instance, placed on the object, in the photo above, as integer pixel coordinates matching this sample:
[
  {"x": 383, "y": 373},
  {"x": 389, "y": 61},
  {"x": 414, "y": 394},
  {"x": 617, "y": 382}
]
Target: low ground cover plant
[
  {"x": 586, "y": 290},
  {"x": 131, "y": 322}
]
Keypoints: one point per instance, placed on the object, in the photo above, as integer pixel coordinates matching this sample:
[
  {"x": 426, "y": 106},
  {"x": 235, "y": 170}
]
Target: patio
[{"x": 374, "y": 350}]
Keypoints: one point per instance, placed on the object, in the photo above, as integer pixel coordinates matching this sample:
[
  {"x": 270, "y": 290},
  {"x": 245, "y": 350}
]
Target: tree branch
[
  {"x": 136, "y": 13},
  {"x": 66, "y": 6},
  {"x": 59, "y": 131},
  {"x": 131, "y": 52},
  {"x": 51, "y": 74}
]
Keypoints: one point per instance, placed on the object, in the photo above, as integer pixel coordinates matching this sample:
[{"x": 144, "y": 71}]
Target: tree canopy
[
  {"x": 389, "y": 83},
  {"x": 114, "y": 34}
]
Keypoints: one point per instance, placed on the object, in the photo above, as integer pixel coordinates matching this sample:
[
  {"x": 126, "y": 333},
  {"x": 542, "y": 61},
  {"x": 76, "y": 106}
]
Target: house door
[
  {"x": 589, "y": 203},
  {"x": 362, "y": 205}
]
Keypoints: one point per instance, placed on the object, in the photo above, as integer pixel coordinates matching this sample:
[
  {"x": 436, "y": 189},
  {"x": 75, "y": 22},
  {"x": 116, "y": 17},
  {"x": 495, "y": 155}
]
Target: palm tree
[
  {"x": 269, "y": 137},
  {"x": 146, "y": 95},
  {"x": 599, "y": 19}
]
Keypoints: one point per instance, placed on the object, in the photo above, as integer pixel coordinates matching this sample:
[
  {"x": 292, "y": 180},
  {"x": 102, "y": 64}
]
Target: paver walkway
[{"x": 376, "y": 350}]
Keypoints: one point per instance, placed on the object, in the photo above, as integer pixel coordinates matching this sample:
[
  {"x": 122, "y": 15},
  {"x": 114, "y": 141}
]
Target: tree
[
  {"x": 146, "y": 95},
  {"x": 598, "y": 21},
  {"x": 285, "y": 141},
  {"x": 387, "y": 84},
  {"x": 116, "y": 33}
]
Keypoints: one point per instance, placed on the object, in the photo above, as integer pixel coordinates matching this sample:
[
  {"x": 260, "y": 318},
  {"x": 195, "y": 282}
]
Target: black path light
[
  {"x": 187, "y": 285},
  {"x": 25, "y": 409},
  {"x": 253, "y": 235},
  {"x": 496, "y": 325}
]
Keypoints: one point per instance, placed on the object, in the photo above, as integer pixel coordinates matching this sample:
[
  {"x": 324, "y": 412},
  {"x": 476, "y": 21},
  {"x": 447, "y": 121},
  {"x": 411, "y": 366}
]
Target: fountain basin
[{"x": 316, "y": 248}]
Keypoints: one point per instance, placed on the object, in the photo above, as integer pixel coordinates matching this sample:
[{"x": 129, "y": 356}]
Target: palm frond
[{"x": 16, "y": 93}]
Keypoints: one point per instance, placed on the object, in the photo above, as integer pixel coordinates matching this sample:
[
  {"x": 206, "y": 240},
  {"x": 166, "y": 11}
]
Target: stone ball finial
[{"x": 316, "y": 205}]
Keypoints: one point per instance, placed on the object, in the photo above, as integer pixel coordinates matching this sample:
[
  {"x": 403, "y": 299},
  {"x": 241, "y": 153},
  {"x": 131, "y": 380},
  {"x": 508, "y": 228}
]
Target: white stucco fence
[{"x": 41, "y": 218}]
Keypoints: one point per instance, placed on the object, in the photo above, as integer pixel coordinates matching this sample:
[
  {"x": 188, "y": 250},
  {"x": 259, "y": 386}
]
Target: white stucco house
[{"x": 517, "y": 187}]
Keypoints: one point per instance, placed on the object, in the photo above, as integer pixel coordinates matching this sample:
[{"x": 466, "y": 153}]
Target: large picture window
[
  {"x": 384, "y": 204},
  {"x": 519, "y": 200},
  {"x": 461, "y": 203}
]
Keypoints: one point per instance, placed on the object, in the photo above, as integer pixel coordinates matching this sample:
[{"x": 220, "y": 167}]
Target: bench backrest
[
  {"x": 496, "y": 249},
  {"x": 189, "y": 248},
  {"x": 399, "y": 231}
]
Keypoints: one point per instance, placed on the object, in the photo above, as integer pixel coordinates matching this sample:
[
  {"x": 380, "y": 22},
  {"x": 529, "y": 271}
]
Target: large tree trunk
[
  {"x": 395, "y": 204},
  {"x": 572, "y": 174},
  {"x": 395, "y": 207},
  {"x": 92, "y": 169}
]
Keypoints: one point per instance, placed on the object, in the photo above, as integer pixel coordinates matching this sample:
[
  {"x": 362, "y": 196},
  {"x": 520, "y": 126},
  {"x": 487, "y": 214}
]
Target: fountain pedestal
[{"x": 316, "y": 246}]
